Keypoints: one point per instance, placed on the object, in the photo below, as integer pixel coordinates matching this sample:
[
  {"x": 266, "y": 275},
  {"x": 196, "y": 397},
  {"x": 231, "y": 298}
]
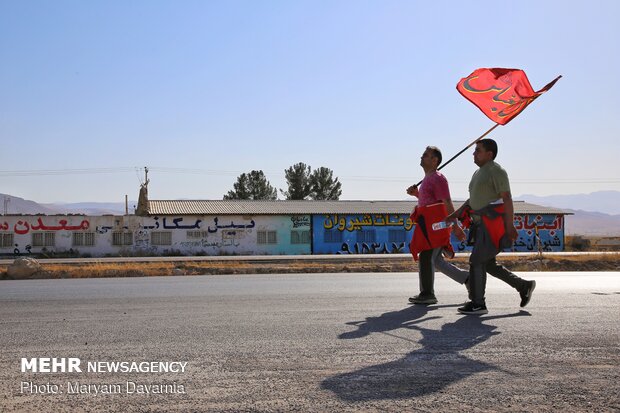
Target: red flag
[{"x": 501, "y": 94}]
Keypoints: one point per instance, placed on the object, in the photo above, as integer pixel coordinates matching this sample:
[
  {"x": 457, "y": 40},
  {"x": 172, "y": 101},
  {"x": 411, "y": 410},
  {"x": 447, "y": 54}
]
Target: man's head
[
  {"x": 486, "y": 150},
  {"x": 431, "y": 158}
]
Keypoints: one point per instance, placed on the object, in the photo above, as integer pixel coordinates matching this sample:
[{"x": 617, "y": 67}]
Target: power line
[
  {"x": 217, "y": 172},
  {"x": 194, "y": 171},
  {"x": 82, "y": 171}
]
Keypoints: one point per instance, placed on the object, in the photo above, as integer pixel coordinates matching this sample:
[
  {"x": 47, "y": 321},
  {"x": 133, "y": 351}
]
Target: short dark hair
[
  {"x": 489, "y": 145},
  {"x": 436, "y": 153}
]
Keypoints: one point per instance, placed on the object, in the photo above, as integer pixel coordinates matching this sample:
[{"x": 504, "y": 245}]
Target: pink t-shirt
[{"x": 433, "y": 189}]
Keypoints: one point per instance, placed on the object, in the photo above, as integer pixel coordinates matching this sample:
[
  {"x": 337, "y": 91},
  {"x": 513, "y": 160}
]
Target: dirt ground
[{"x": 388, "y": 264}]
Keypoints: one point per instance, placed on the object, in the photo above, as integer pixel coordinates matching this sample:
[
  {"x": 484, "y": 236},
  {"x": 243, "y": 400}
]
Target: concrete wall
[
  {"x": 362, "y": 234},
  {"x": 238, "y": 235},
  {"x": 340, "y": 234},
  {"x": 187, "y": 235}
]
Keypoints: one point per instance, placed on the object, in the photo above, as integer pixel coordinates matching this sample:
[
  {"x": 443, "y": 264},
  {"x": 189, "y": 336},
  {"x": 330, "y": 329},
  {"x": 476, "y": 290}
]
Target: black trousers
[
  {"x": 427, "y": 271},
  {"x": 481, "y": 262}
]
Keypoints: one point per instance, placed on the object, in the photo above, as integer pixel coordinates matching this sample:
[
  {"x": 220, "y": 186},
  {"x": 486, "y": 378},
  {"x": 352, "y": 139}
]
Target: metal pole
[{"x": 465, "y": 148}]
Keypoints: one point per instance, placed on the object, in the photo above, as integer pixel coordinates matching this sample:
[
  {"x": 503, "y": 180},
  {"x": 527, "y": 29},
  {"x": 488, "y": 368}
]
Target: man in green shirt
[{"x": 492, "y": 228}]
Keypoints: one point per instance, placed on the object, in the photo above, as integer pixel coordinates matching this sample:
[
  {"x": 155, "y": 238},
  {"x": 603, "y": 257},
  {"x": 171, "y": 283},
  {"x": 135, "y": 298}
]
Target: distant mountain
[
  {"x": 592, "y": 223},
  {"x": 607, "y": 202},
  {"x": 597, "y": 213},
  {"x": 18, "y": 205}
]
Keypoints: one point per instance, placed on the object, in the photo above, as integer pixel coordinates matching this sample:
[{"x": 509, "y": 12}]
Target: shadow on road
[
  {"x": 428, "y": 369},
  {"x": 405, "y": 318}
]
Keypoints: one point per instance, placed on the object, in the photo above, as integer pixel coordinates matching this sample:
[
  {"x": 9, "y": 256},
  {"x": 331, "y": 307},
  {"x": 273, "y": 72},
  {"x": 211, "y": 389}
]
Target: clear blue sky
[{"x": 201, "y": 91}]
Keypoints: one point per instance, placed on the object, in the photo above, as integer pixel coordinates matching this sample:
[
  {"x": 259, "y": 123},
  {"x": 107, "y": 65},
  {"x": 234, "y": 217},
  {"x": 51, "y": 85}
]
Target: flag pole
[
  {"x": 496, "y": 72},
  {"x": 465, "y": 148}
]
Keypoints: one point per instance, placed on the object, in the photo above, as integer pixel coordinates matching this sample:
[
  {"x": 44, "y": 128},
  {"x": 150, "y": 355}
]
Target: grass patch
[{"x": 598, "y": 262}]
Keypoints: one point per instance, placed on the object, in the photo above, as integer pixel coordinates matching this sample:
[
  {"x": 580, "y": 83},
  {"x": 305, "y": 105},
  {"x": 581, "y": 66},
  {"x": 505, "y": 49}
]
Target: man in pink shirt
[{"x": 434, "y": 189}]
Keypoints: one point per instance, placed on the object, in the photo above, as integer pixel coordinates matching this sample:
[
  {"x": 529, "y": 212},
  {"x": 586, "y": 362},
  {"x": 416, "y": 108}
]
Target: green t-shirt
[{"x": 486, "y": 185}]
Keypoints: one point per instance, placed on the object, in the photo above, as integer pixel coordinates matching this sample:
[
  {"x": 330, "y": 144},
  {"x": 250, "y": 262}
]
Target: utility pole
[{"x": 143, "y": 198}]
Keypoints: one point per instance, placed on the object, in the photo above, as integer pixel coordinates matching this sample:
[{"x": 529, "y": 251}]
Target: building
[{"x": 203, "y": 227}]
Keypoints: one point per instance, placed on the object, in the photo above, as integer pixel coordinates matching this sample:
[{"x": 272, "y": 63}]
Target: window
[
  {"x": 83, "y": 239},
  {"x": 367, "y": 235},
  {"x": 266, "y": 237},
  {"x": 300, "y": 237},
  {"x": 6, "y": 240},
  {"x": 161, "y": 238},
  {"x": 397, "y": 236},
  {"x": 271, "y": 237},
  {"x": 332, "y": 236},
  {"x": 122, "y": 238},
  {"x": 43, "y": 239}
]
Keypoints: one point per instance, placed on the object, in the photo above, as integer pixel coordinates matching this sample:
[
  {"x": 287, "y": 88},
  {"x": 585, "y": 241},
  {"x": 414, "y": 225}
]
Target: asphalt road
[{"x": 311, "y": 343}]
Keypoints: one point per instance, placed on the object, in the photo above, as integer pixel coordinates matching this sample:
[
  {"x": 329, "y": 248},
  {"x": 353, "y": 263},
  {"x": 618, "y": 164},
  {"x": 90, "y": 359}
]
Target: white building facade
[{"x": 249, "y": 228}]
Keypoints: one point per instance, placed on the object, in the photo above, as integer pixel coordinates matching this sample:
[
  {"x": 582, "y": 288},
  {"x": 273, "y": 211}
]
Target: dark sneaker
[
  {"x": 423, "y": 299},
  {"x": 470, "y": 308},
  {"x": 526, "y": 293}
]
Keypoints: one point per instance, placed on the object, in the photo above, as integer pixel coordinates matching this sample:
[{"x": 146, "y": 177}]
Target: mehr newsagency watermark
[{"x": 72, "y": 365}]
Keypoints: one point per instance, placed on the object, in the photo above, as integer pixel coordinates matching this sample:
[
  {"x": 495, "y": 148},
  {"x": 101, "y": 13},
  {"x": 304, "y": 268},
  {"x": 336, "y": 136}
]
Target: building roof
[{"x": 220, "y": 207}]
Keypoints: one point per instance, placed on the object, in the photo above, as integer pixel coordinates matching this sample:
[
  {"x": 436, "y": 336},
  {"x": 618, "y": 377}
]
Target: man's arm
[
  {"x": 456, "y": 228},
  {"x": 509, "y": 216},
  {"x": 454, "y": 215},
  {"x": 449, "y": 206}
]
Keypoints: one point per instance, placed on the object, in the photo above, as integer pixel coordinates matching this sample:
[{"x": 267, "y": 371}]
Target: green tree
[
  {"x": 298, "y": 180},
  {"x": 324, "y": 186},
  {"x": 253, "y": 186}
]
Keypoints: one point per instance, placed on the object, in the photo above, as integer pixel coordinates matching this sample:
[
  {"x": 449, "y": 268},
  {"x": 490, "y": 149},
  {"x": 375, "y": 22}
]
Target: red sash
[
  {"x": 492, "y": 219},
  {"x": 424, "y": 237}
]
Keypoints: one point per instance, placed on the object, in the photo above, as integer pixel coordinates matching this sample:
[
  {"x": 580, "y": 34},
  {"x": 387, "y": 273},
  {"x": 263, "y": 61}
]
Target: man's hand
[
  {"x": 413, "y": 190},
  {"x": 511, "y": 232},
  {"x": 458, "y": 232}
]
